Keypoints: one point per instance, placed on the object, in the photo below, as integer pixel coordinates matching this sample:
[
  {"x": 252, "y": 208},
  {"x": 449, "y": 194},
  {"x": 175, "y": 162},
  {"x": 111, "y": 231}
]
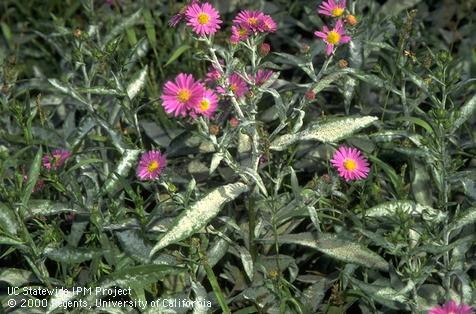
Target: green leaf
[
  {"x": 326, "y": 81},
  {"x": 71, "y": 255},
  {"x": 137, "y": 83},
  {"x": 337, "y": 248},
  {"x": 394, "y": 7},
  {"x": 128, "y": 160},
  {"x": 177, "y": 53},
  {"x": 33, "y": 175},
  {"x": 304, "y": 65},
  {"x": 326, "y": 132},
  {"x": 126, "y": 23},
  {"x": 139, "y": 275},
  {"x": 469, "y": 217},
  {"x": 465, "y": 113},
  {"x": 149, "y": 28},
  {"x": 198, "y": 215},
  {"x": 383, "y": 294},
  {"x": 417, "y": 121}
]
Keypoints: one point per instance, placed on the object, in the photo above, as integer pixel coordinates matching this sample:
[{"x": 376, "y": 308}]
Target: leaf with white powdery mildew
[
  {"x": 409, "y": 207},
  {"x": 338, "y": 248},
  {"x": 197, "y": 216},
  {"x": 137, "y": 84},
  {"x": 327, "y": 132}
]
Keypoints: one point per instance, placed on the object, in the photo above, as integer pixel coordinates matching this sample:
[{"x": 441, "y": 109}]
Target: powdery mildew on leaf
[
  {"x": 340, "y": 249},
  {"x": 328, "y": 132},
  {"x": 200, "y": 214},
  {"x": 408, "y": 207}
]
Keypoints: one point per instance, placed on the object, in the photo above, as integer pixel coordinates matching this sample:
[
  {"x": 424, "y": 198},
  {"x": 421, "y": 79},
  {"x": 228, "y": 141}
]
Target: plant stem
[{"x": 214, "y": 283}]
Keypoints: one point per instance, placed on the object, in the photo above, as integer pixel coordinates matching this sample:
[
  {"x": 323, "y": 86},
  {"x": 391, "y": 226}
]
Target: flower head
[
  {"x": 332, "y": 8},
  {"x": 236, "y": 85},
  {"x": 203, "y": 18},
  {"x": 352, "y": 20},
  {"x": 151, "y": 165},
  {"x": 181, "y": 95},
  {"x": 56, "y": 159},
  {"x": 333, "y": 37},
  {"x": 264, "y": 49},
  {"x": 238, "y": 34},
  {"x": 250, "y": 20},
  {"x": 207, "y": 104},
  {"x": 451, "y": 307},
  {"x": 269, "y": 25},
  {"x": 262, "y": 76},
  {"x": 350, "y": 163}
]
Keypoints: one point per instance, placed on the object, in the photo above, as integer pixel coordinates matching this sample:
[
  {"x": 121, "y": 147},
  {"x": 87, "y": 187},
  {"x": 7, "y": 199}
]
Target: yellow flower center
[
  {"x": 203, "y": 18},
  {"x": 333, "y": 37},
  {"x": 233, "y": 87},
  {"x": 183, "y": 95},
  {"x": 242, "y": 32},
  {"x": 350, "y": 164},
  {"x": 204, "y": 104},
  {"x": 253, "y": 21},
  {"x": 337, "y": 12},
  {"x": 154, "y": 165}
]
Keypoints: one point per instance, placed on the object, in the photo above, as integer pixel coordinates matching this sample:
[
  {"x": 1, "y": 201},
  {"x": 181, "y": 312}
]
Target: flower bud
[
  {"x": 234, "y": 122},
  {"x": 305, "y": 48},
  {"x": 77, "y": 33},
  {"x": 343, "y": 63},
  {"x": 214, "y": 129},
  {"x": 352, "y": 20},
  {"x": 264, "y": 49},
  {"x": 310, "y": 95}
]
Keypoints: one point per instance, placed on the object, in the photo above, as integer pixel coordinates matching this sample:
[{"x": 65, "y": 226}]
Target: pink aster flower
[
  {"x": 207, "y": 105},
  {"x": 151, "y": 165},
  {"x": 332, "y": 8},
  {"x": 350, "y": 163},
  {"x": 203, "y": 18},
  {"x": 451, "y": 307},
  {"x": 269, "y": 25},
  {"x": 333, "y": 37},
  {"x": 236, "y": 84},
  {"x": 56, "y": 159},
  {"x": 262, "y": 76},
  {"x": 250, "y": 20},
  {"x": 238, "y": 34},
  {"x": 181, "y": 95},
  {"x": 213, "y": 73}
]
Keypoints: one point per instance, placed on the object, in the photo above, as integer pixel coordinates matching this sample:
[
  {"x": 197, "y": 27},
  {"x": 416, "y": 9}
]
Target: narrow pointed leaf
[
  {"x": 331, "y": 131},
  {"x": 137, "y": 83},
  {"x": 338, "y": 248},
  {"x": 198, "y": 215}
]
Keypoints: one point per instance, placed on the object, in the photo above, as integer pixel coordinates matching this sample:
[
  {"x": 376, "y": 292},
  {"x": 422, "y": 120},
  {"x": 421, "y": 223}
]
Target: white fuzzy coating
[
  {"x": 134, "y": 87},
  {"x": 200, "y": 214},
  {"x": 328, "y": 132},
  {"x": 408, "y": 207}
]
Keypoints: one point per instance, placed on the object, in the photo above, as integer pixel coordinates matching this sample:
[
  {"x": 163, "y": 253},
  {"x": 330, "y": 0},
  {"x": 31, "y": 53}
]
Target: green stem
[
  {"x": 214, "y": 283},
  {"x": 252, "y": 225}
]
